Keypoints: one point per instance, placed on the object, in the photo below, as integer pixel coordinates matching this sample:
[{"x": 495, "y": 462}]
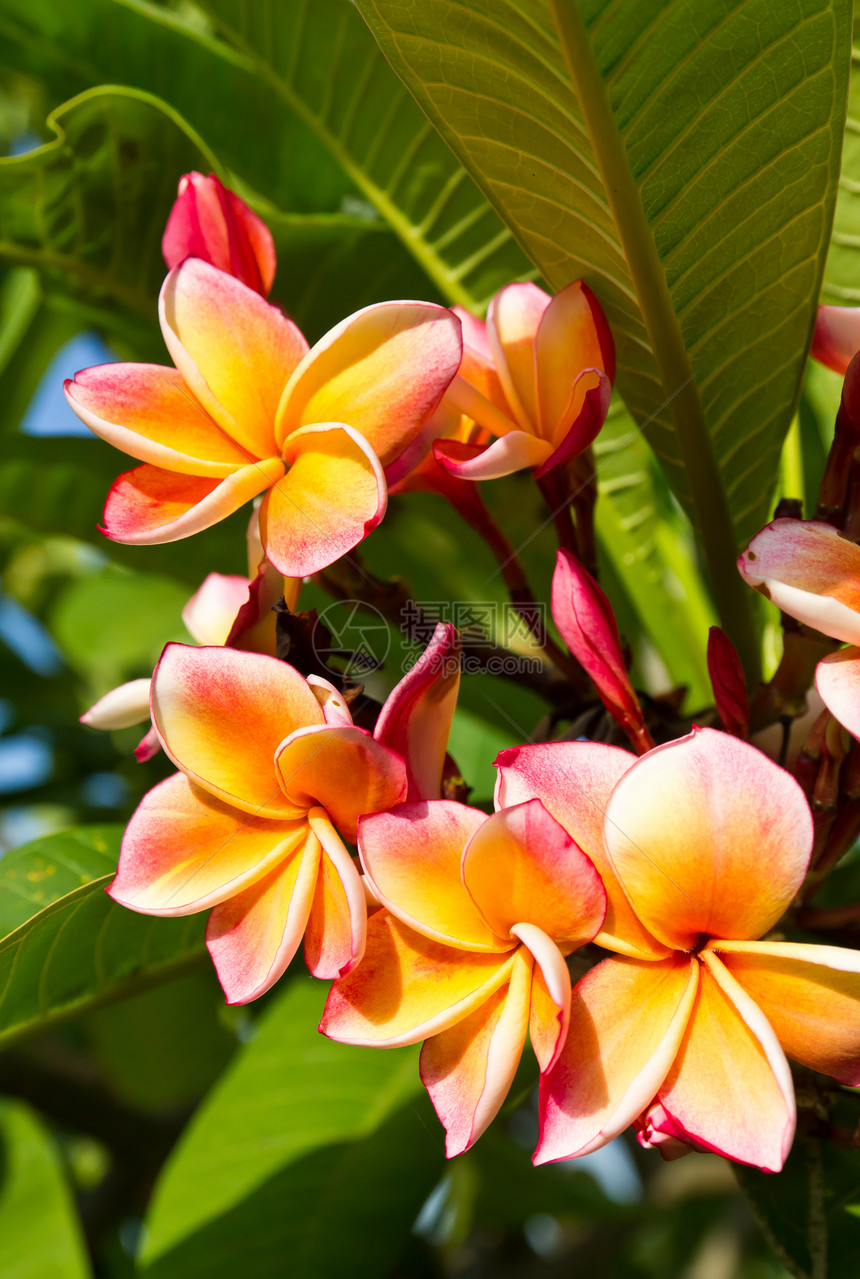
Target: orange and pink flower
[
  {"x": 248, "y": 409},
  {"x": 702, "y": 845}
]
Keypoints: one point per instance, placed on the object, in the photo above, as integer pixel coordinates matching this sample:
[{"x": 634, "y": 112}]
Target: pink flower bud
[
  {"x": 210, "y": 222},
  {"x": 729, "y": 684},
  {"x": 587, "y": 624},
  {"x": 837, "y": 336}
]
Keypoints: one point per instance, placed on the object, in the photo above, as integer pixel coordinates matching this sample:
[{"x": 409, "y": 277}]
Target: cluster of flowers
[{"x": 454, "y": 927}]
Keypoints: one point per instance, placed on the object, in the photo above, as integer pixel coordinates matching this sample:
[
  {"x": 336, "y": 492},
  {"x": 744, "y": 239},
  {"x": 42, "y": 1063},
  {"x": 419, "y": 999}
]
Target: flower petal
[
  {"x": 209, "y": 221},
  {"x": 383, "y": 371},
  {"x": 730, "y": 1087},
  {"x": 412, "y": 857},
  {"x": 469, "y": 1069},
  {"x": 573, "y": 781},
  {"x": 513, "y": 452},
  {"x": 252, "y": 936},
  {"x": 184, "y": 850},
  {"x": 408, "y": 987},
  {"x": 212, "y": 609},
  {"x": 513, "y": 320},
  {"x": 221, "y": 716},
  {"x": 837, "y": 679},
  {"x": 549, "y": 1014},
  {"x": 333, "y": 495},
  {"x": 590, "y": 400},
  {"x": 809, "y": 570},
  {"x": 337, "y": 928},
  {"x": 234, "y": 350},
  {"x": 147, "y": 411},
  {"x": 122, "y": 707},
  {"x": 149, "y": 506},
  {"x": 417, "y": 716},
  {"x": 521, "y": 866},
  {"x": 341, "y": 769},
  {"x": 627, "y": 1020},
  {"x": 708, "y": 837},
  {"x": 570, "y": 339},
  {"x": 810, "y": 995}
]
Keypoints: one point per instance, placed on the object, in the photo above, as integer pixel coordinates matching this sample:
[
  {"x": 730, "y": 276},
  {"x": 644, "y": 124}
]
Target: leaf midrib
[{"x": 670, "y": 354}]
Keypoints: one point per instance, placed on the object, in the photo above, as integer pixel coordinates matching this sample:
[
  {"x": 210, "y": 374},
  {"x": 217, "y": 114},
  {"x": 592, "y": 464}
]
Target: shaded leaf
[
  {"x": 66, "y": 947},
  {"x": 304, "y": 1153},
  {"x": 842, "y": 278},
  {"x": 38, "y": 1224}
]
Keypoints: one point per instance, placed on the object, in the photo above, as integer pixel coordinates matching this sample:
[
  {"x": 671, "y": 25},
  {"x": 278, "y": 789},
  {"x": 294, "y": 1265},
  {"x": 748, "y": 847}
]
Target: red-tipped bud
[
  {"x": 587, "y": 625},
  {"x": 837, "y": 336},
  {"x": 210, "y": 222},
  {"x": 729, "y": 684},
  {"x": 417, "y": 716}
]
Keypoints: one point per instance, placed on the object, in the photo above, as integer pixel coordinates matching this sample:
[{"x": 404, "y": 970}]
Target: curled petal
[
  {"x": 209, "y": 221},
  {"x": 810, "y": 571},
  {"x": 147, "y": 411},
  {"x": 836, "y": 339},
  {"x": 708, "y": 838},
  {"x": 573, "y": 781},
  {"x": 149, "y": 506},
  {"x": 184, "y": 850},
  {"x": 521, "y": 867},
  {"x": 469, "y": 1069},
  {"x": 590, "y": 399},
  {"x": 408, "y": 987},
  {"x": 333, "y": 495},
  {"x": 340, "y": 769},
  {"x": 382, "y": 370},
  {"x": 212, "y": 609},
  {"x": 337, "y": 928},
  {"x": 512, "y": 452},
  {"x": 253, "y": 935},
  {"x": 417, "y": 716},
  {"x": 412, "y": 857},
  {"x": 627, "y": 1020},
  {"x": 221, "y": 716},
  {"x": 233, "y": 349},
  {"x": 254, "y": 627},
  {"x": 550, "y": 998},
  {"x": 122, "y": 707},
  {"x": 334, "y": 708},
  {"x": 837, "y": 679},
  {"x": 810, "y": 995},
  {"x": 730, "y": 1087}
]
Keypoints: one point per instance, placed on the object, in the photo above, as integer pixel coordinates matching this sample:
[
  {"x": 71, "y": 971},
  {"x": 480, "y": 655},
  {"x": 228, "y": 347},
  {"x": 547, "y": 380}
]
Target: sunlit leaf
[
  {"x": 66, "y": 947},
  {"x": 842, "y": 279}
]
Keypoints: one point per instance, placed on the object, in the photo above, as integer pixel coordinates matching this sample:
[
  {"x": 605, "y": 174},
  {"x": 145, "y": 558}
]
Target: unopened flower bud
[{"x": 210, "y": 222}]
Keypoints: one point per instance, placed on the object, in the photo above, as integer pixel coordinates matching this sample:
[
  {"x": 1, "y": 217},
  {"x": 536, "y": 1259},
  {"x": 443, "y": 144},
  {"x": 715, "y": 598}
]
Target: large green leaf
[
  {"x": 309, "y": 1158},
  {"x": 40, "y": 1232},
  {"x": 66, "y": 947},
  {"x": 341, "y": 133},
  {"x": 842, "y": 279},
  {"x": 682, "y": 156}
]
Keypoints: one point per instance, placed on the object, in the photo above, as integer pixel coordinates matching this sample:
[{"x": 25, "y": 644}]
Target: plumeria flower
[
  {"x": 209, "y": 221},
  {"x": 273, "y": 776},
  {"x": 249, "y": 410},
  {"x": 468, "y": 952},
  {"x": 702, "y": 845},
  {"x": 538, "y": 376},
  {"x": 812, "y": 572}
]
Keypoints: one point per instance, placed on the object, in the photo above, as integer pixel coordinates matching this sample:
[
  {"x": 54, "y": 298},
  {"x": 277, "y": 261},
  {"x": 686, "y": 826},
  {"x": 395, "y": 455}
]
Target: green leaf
[
  {"x": 681, "y": 156},
  {"x": 842, "y": 278},
  {"x": 808, "y": 1213},
  {"x": 304, "y": 1153},
  {"x": 66, "y": 947},
  {"x": 39, "y": 1227}
]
